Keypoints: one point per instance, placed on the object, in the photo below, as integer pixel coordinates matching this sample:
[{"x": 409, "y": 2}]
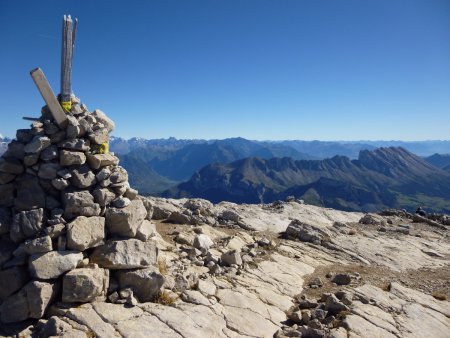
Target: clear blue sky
[{"x": 279, "y": 69}]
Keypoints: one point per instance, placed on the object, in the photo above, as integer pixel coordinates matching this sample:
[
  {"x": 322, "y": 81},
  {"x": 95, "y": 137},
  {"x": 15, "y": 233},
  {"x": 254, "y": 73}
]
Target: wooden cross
[{"x": 59, "y": 109}]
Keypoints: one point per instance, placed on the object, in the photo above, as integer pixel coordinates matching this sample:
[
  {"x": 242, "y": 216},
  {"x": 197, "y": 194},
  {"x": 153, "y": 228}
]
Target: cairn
[{"x": 68, "y": 217}]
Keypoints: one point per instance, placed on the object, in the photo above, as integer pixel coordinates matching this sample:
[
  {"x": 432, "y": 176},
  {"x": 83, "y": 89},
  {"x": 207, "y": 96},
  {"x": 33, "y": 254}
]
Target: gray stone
[
  {"x": 179, "y": 218},
  {"x": 53, "y": 264},
  {"x": 103, "y": 196},
  {"x": 99, "y": 136},
  {"x": 11, "y": 166},
  {"x": 60, "y": 183},
  {"x": 125, "y": 254},
  {"x": 67, "y": 157},
  {"x": 105, "y": 120},
  {"x": 6, "y": 178},
  {"x": 6, "y": 250},
  {"x": 75, "y": 144},
  {"x": 342, "y": 279},
  {"x": 83, "y": 177},
  {"x": 31, "y": 159},
  {"x": 132, "y": 194},
  {"x": 80, "y": 203},
  {"x": 48, "y": 171},
  {"x": 24, "y": 135},
  {"x": 118, "y": 175},
  {"x": 30, "y": 194},
  {"x": 50, "y": 153},
  {"x": 305, "y": 232},
  {"x": 37, "y": 144},
  {"x": 39, "y": 297},
  {"x": 145, "y": 283},
  {"x": 12, "y": 280},
  {"x": 146, "y": 230},
  {"x": 98, "y": 161},
  {"x": 203, "y": 242},
  {"x": 121, "y": 202},
  {"x": 85, "y": 232},
  {"x": 85, "y": 285},
  {"x": 125, "y": 221},
  {"x": 231, "y": 257},
  {"x": 7, "y": 194},
  {"x": 26, "y": 224},
  {"x": 14, "y": 308},
  {"x": 38, "y": 245},
  {"x": 333, "y": 305},
  {"x": 103, "y": 174}
]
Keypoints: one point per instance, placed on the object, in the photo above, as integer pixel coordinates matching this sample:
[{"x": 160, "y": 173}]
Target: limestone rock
[
  {"x": 12, "y": 280},
  {"x": 53, "y": 264},
  {"x": 145, "y": 283},
  {"x": 146, "y": 230},
  {"x": 83, "y": 177},
  {"x": 37, "y": 144},
  {"x": 98, "y": 161},
  {"x": 126, "y": 254},
  {"x": 75, "y": 144},
  {"x": 103, "y": 196},
  {"x": 26, "y": 224},
  {"x": 67, "y": 158},
  {"x": 85, "y": 232},
  {"x": 80, "y": 203},
  {"x": 85, "y": 285},
  {"x": 30, "y": 194},
  {"x": 39, "y": 296},
  {"x": 125, "y": 221},
  {"x": 203, "y": 241},
  {"x": 38, "y": 245},
  {"x": 105, "y": 120},
  {"x": 99, "y": 136},
  {"x": 231, "y": 257},
  {"x": 11, "y": 166}
]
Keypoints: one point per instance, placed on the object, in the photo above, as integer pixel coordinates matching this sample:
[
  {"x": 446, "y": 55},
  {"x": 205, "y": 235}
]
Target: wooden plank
[
  {"x": 68, "y": 35},
  {"x": 49, "y": 97}
]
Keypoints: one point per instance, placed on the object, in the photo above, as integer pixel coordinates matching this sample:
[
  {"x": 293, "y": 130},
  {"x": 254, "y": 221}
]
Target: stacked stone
[{"x": 67, "y": 217}]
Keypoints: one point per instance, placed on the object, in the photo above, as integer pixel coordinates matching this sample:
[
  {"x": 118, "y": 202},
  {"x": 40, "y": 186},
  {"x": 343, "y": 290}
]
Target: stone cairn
[{"x": 71, "y": 228}]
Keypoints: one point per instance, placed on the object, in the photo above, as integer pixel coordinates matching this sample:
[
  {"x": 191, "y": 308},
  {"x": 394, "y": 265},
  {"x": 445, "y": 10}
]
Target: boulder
[
  {"x": 7, "y": 194},
  {"x": 67, "y": 158},
  {"x": 145, "y": 283},
  {"x": 99, "y": 136},
  {"x": 30, "y": 194},
  {"x": 125, "y": 221},
  {"x": 85, "y": 232},
  {"x": 125, "y": 254},
  {"x": 75, "y": 144},
  {"x": 85, "y": 285},
  {"x": 98, "y": 161},
  {"x": 103, "y": 196},
  {"x": 80, "y": 203},
  {"x": 53, "y": 264},
  {"x": 49, "y": 154},
  {"x": 14, "y": 308},
  {"x": 342, "y": 279},
  {"x": 179, "y": 218},
  {"x": 83, "y": 177},
  {"x": 305, "y": 232}
]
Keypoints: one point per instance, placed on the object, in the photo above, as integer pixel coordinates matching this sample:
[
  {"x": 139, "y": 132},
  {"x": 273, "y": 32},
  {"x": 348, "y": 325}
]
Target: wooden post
[
  {"x": 49, "y": 97},
  {"x": 68, "y": 40}
]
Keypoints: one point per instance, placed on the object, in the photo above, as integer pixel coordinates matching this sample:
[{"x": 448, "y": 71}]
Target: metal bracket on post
[{"x": 68, "y": 40}]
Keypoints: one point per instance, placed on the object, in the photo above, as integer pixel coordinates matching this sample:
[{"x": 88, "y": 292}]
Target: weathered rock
[
  {"x": 103, "y": 174},
  {"x": 203, "y": 242},
  {"x": 230, "y": 215},
  {"x": 99, "y": 136},
  {"x": 231, "y": 257},
  {"x": 371, "y": 219},
  {"x": 179, "y": 218},
  {"x": 38, "y": 245},
  {"x": 145, "y": 283},
  {"x": 305, "y": 232},
  {"x": 126, "y": 254},
  {"x": 146, "y": 230},
  {"x": 31, "y": 159},
  {"x": 85, "y": 285},
  {"x": 60, "y": 183},
  {"x": 85, "y": 232},
  {"x": 11, "y": 166},
  {"x": 103, "y": 196},
  {"x": 12, "y": 280},
  {"x": 48, "y": 171},
  {"x": 39, "y": 297},
  {"x": 37, "y": 144},
  {"x": 24, "y": 135},
  {"x": 333, "y": 305},
  {"x": 342, "y": 279},
  {"x": 121, "y": 202},
  {"x": 125, "y": 221},
  {"x": 105, "y": 120},
  {"x": 6, "y": 178},
  {"x": 50, "y": 153},
  {"x": 53, "y": 264},
  {"x": 30, "y": 194},
  {"x": 206, "y": 287},
  {"x": 14, "y": 308},
  {"x": 26, "y": 224},
  {"x": 75, "y": 144},
  {"x": 67, "y": 158},
  {"x": 80, "y": 203},
  {"x": 83, "y": 177},
  {"x": 118, "y": 175},
  {"x": 98, "y": 161}
]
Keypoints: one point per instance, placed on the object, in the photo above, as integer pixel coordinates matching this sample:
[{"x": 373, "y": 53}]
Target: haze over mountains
[{"x": 344, "y": 175}]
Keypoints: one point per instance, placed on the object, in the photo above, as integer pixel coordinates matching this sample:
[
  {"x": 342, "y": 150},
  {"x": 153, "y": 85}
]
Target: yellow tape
[
  {"x": 104, "y": 148},
  {"x": 67, "y": 105}
]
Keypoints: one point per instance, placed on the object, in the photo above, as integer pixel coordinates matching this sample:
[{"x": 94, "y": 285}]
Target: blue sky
[{"x": 284, "y": 69}]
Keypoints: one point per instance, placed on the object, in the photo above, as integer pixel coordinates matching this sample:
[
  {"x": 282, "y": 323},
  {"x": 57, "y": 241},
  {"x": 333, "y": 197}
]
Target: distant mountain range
[{"x": 385, "y": 177}]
